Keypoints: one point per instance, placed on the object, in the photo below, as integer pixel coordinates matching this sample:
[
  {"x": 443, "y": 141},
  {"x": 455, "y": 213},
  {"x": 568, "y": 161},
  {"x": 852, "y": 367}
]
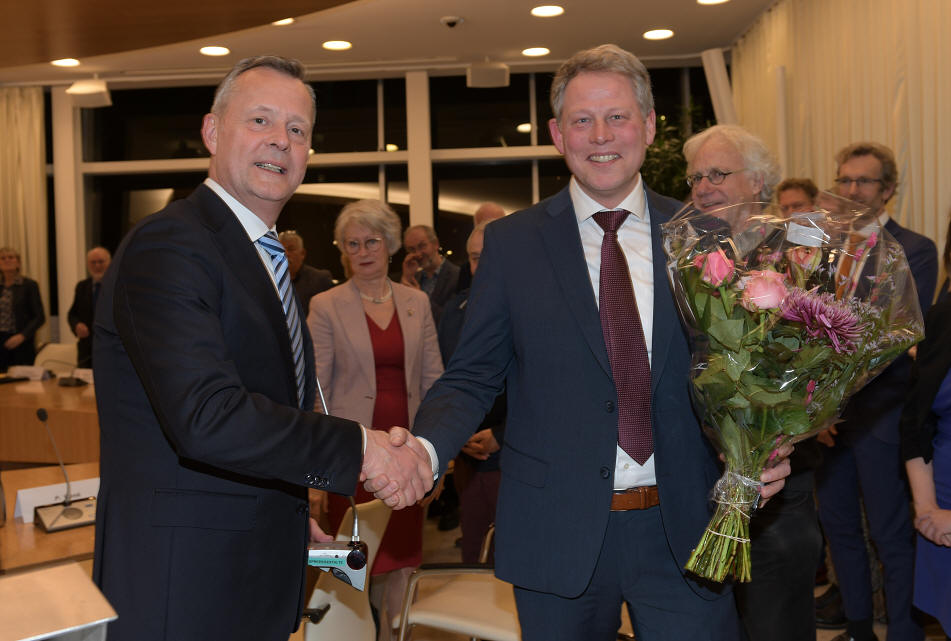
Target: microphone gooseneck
[{"x": 44, "y": 416}]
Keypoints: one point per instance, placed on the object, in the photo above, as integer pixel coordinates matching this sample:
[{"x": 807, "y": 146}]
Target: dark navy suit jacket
[
  {"x": 533, "y": 326},
  {"x": 201, "y": 525}
]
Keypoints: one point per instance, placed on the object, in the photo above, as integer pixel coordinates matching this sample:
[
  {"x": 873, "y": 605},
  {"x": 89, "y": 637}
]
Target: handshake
[{"x": 396, "y": 467}]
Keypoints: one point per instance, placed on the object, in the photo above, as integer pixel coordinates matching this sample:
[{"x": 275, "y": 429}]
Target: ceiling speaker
[{"x": 487, "y": 74}]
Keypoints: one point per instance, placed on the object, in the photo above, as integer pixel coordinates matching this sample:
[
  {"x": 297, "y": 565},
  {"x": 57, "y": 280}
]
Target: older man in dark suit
[
  {"x": 82, "y": 312},
  {"x": 205, "y": 380},
  {"x": 426, "y": 269},
  {"x": 864, "y": 464},
  {"x": 605, "y": 472}
]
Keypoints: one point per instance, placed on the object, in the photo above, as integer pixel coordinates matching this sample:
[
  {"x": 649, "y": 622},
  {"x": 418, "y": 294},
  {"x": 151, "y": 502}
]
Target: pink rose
[
  {"x": 806, "y": 257},
  {"x": 717, "y": 268},
  {"x": 763, "y": 290}
]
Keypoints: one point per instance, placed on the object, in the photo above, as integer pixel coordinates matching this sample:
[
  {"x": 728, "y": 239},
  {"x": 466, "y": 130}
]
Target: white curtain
[
  {"x": 23, "y": 211},
  {"x": 856, "y": 70}
]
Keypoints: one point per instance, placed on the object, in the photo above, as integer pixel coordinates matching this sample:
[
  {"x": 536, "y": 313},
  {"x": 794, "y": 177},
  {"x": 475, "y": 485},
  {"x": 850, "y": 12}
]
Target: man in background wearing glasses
[{"x": 864, "y": 458}]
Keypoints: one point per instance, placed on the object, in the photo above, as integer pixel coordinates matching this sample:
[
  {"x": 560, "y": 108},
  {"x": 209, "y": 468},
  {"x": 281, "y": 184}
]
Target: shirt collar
[
  {"x": 254, "y": 227},
  {"x": 586, "y": 206}
]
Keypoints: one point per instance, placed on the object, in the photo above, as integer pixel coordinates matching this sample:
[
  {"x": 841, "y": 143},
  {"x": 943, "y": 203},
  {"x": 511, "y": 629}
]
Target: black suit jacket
[
  {"x": 201, "y": 527},
  {"x": 533, "y": 326},
  {"x": 28, "y": 316},
  {"x": 83, "y": 311}
]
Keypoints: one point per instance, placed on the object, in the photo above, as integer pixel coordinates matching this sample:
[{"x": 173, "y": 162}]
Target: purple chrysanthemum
[{"x": 822, "y": 315}]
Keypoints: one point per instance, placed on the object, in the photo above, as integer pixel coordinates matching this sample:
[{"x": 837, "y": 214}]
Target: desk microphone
[
  {"x": 65, "y": 381},
  {"x": 68, "y": 512}
]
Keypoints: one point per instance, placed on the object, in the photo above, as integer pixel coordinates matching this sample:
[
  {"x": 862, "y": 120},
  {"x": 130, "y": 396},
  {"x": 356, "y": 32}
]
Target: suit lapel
[
  {"x": 666, "y": 321},
  {"x": 241, "y": 257},
  {"x": 562, "y": 239},
  {"x": 411, "y": 324},
  {"x": 357, "y": 333}
]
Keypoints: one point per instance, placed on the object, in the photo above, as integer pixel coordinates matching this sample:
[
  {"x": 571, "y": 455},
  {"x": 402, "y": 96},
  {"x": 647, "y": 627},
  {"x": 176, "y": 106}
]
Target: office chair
[
  {"x": 470, "y": 602},
  {"x": 340, "y": 611}
]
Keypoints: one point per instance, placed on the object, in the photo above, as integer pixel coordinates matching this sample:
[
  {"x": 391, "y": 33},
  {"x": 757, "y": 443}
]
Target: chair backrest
[
  {"x": 57, "y": 357},
  {"x": 349, "y": 616}
]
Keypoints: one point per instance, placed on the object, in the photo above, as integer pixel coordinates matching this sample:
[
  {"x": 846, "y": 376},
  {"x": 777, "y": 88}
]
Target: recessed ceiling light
[
  {"x": 283, "y": 23},
  {"x": 215, "y": 51},
  {"x": 535, "y": 51},
  {"x": 524, "y": 128},
  {"x": 547, "y": 11},
  {"x": 391, "y": 147},
  {"x": 658, "y": 34},
  {"x": 65, "y": 62},
  {"x": 711, "y": 1},
  {"x": 336, "y": 45}
]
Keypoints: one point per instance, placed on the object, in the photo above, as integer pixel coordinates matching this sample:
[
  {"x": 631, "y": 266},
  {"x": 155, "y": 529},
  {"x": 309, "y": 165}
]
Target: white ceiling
[{"x": 392, "y": 36}]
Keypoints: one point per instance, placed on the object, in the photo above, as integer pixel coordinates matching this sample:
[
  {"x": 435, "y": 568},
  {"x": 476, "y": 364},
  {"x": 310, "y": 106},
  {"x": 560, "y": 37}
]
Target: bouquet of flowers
[{"x": 788, "y": 317}]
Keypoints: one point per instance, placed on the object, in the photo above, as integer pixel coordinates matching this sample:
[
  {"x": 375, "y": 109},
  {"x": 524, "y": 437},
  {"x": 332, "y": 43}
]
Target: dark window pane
[
  {"x": 394, "y": 112},
  {"x": 543, "y": 106},
  {"x": 146, "y": 124},
  {"x": 48, "y": 123},
  {"x": 464, "y": 117},
  {"x": 553, "y": 176},
  {"x": 346, "y": 116},
  {"x": 461, "y": 188}
]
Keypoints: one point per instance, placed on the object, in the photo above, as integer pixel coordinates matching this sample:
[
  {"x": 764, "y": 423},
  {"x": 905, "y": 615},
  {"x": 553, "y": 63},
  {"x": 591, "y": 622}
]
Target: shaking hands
[{"x": 396, "y": 467}]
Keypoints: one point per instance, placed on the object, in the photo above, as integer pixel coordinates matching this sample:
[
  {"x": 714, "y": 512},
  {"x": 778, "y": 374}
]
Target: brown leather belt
[{"x": 636, "y": 498}]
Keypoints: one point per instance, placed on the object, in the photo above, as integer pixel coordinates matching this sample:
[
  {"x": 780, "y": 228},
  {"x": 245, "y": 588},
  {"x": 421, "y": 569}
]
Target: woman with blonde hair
[
  {"x": 377, "y": 355},
  {"x": 21, "y": 312}
]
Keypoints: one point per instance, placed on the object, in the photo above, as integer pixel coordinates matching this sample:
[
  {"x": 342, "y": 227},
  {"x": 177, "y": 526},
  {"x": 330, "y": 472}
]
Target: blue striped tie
[{"x": 275, "y": 250}]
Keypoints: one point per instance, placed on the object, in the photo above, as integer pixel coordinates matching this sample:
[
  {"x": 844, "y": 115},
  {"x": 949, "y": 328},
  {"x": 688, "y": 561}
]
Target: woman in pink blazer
[{"x": 377, "y": 354}]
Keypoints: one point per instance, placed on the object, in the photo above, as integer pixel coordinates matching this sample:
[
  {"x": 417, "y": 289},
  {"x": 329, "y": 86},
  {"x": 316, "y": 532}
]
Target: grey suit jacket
[{"x": 344, "y": 354}]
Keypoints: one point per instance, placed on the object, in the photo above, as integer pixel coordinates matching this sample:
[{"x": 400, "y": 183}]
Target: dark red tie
[{"x": 624, "y": 338}]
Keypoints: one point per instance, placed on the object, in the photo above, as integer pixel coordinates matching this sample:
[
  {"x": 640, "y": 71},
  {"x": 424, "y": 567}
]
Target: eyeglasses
[
  {"x": 353, "y": 246},
  {"x": 715, "y": 176},
  {"x": 861, "y": 181}
]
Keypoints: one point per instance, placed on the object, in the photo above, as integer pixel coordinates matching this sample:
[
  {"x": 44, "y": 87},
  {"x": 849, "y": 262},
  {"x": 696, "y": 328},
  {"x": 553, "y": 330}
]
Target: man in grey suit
[
  {"x": 426, "y": 269},
  {"x": 205, "y": 382},
  {"x": 605, "y": 472}
]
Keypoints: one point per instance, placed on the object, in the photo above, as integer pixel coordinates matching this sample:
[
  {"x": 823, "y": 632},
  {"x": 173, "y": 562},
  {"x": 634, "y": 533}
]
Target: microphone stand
[{"x": 68, "y": 512}]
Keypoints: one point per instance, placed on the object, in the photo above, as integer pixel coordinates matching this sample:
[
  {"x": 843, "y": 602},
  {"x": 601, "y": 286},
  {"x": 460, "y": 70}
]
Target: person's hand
[
  {"x": 318, "y": 501},
  {"x": 827, "y": 436},
  {"x": 774, "y": 476},
  {"x": 410, "y": 268},
  {"x": 317, "y": 535},
  {"x": 14, "y": 341},
  {"x": 81, "y": 330},
  {"x": 396, "y": 467},
  {"x": 935, "y": 525},
  {"x": 481, "y": 445}
]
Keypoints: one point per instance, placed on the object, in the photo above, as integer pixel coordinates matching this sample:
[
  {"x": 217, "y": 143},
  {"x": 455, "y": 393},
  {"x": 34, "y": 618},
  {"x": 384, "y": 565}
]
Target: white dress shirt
[{"x": 634, "y": 236}]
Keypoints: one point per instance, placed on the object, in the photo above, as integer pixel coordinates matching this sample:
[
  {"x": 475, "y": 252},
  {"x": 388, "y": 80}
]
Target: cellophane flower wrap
[{"x": 788, "y": 317}]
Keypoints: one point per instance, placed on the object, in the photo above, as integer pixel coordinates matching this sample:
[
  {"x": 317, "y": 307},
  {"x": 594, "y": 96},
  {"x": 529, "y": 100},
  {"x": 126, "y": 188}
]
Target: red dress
[{"x": 402, "y": 544}]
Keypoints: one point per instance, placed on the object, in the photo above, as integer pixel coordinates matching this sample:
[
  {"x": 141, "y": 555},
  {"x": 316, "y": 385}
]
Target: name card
[
  {"x": 29, "y": 498},
  {"x": 83, "y": 373},
  {"x": 32, "y": 372}
]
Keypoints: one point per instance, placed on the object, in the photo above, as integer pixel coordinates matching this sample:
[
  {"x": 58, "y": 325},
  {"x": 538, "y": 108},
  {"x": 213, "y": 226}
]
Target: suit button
[
  {"x": 608, "y": 406},
  {"x": 605, "y": 473}
]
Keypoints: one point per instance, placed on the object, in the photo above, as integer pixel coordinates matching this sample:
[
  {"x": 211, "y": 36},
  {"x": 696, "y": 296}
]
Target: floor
[{"x": 439, "y": 547}]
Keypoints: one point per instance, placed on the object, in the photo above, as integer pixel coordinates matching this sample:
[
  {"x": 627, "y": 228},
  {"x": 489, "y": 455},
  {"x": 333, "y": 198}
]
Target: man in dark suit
[
  {"x": 586, "y": 521},
  {"x": 426, "y": 269},
  {"x": 864, "y": 462},
  {"x": 205, "y": 384},
  {"x": 82, "y": 312},
  {"x": 308, "y": 281}
]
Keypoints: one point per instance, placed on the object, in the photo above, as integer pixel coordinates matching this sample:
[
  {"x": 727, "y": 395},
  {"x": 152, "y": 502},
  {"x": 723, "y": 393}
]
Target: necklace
[{"x": 378, "y": 300}]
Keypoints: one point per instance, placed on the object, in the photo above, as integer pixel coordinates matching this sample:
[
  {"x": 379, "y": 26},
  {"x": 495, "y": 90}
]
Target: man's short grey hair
[
  {"x": 604, "y": 58},
  {"x": 373, "y": 214},
  {"x": 880, "y": 151},
  {"x": 291, "y": 235},
  {"x": 429, "y": 231},
  {"x": 287, "y": 66},
  {"x": 757, "y": 158}
]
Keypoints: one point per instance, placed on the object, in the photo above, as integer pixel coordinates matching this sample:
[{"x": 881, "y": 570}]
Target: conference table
[
  {"x": 24, "y": 545},
  {"x": 73, "y": 420}
]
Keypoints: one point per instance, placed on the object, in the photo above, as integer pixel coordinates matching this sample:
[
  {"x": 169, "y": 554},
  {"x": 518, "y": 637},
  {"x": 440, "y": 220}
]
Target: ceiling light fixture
[
  {"x": 283, "y": 23},
  {"x": 214, "y": 51},
  {"x": 711, "y": 1},
  {"x": 65, "y": 62},
  {"x": 391, "y": 147},
  {"x": 535, "y": 52},
  {"x": 524, "y": 128},
  {"x": 547, "y": 11},
  {"x": 658, "y": 34},
  {"x": 336, "y": 45},
  {"x": 89, "y": 93}
]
